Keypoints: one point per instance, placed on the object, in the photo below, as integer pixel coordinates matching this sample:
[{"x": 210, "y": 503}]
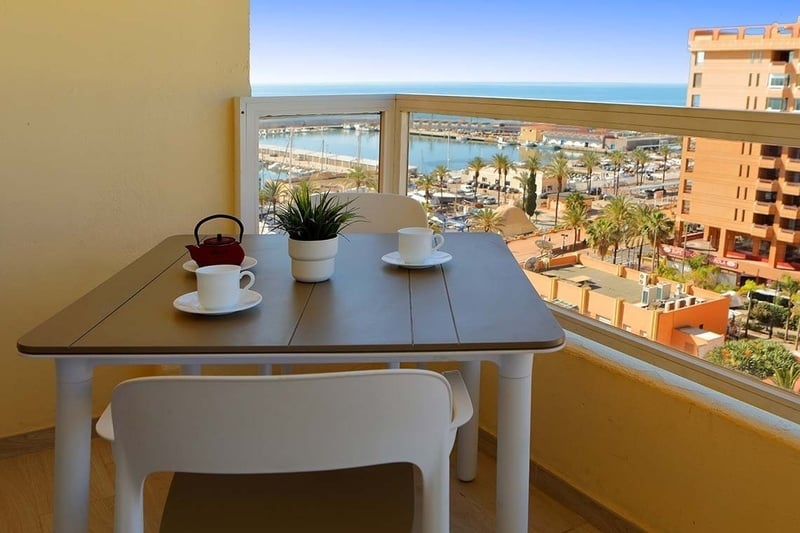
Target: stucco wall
[
  {"x": 660, "y": 451},
  {"x": 116, "y": 131}
]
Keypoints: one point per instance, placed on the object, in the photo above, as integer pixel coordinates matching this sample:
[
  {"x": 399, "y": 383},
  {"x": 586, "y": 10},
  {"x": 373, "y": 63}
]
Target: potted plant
[{"x": 313, "y": 223}]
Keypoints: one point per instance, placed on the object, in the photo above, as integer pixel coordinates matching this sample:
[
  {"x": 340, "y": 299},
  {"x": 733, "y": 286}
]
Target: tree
[
  {"x": 576, "y": 214},
  {"x": 476, "y": 164},
  {"x": 501, "y": 164},
  {"x": 791, "y": 286},
  {"x": 664, "y": 151},
  {"x": 486, "y": 220},
  {"x": 640, "y": 159},
  {"x": 590, "y": 160},
  {"x": 558, "y": 169},
  {"x": 598, "y": 235},
  {"x": 618, "y": 160},
  {"x": 426, "y": 182},
  {"x": 271, "y": 193},
  {"x": 532, "y": 164},
  {"x": 658, "y": 227},
  {"x": 440, "y": 173},
  {"x": 360, "y": 179},
  {"x": 759, "y": 358},
  {"x": 618, "y": 212}
]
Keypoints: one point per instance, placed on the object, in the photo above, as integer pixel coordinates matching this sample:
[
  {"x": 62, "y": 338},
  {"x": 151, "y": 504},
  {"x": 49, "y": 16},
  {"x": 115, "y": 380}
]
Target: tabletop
[{"x": 481, "y": 300}]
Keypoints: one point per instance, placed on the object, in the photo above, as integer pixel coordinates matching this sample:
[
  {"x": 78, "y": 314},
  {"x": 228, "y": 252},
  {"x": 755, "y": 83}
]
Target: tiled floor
[{"x": 26, "y": 498}]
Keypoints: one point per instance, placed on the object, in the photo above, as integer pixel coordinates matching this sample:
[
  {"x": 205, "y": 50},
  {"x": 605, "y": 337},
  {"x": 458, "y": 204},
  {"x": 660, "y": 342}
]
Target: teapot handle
[{"x": 220, "y": 215}]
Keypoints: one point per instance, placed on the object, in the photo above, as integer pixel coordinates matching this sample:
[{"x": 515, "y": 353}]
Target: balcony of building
[{"x": 634, "y": 435}]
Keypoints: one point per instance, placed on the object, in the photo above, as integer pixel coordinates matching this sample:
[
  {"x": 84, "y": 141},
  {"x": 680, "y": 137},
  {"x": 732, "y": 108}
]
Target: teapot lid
[{"x": 219, "y": 240}]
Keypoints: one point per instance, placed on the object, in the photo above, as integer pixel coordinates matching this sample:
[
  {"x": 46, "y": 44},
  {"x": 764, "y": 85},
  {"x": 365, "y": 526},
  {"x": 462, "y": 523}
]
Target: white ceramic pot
[{"x": 313, "y": 261}]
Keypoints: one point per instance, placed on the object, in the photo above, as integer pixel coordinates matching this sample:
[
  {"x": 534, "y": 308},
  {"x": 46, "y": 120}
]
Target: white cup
[
  {"x": 415, "y": 245},
  {"x": 218, "y": 286}
]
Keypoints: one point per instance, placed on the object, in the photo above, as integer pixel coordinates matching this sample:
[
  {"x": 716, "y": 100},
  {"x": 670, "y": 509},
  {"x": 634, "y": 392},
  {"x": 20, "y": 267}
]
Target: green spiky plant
[{"x": 308, "y": 217}]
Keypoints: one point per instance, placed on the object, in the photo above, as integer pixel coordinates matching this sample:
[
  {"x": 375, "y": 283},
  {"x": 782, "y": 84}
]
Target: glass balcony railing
[{"x": 459, "y": 154}]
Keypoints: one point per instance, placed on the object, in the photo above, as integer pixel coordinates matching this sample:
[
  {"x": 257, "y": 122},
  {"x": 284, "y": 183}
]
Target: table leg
[
  {"x": 73, "y": 447},
  {"x": 513, "y": 442},
  {"x": 467, "y": 449}
]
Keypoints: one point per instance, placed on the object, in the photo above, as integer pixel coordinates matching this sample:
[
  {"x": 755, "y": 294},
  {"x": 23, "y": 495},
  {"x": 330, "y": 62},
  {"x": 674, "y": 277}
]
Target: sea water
[{"x": 426, "y": 153}]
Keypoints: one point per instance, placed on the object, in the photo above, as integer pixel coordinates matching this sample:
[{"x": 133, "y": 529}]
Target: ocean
[
  {"x": 626, "y": 93},
  {"x": 426, "y": 153}
]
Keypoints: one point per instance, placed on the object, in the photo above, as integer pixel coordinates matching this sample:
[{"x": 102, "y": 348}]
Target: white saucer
[
  {"x": 436, "y": 258},
  {"x": 247, "y": 262},
  {"x": 188, "y": 303}
]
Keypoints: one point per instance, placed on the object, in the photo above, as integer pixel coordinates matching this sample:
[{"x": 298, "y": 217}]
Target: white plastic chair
[
  {"x": 383, "y": 212},
  {"x": 281, "y": 424}
]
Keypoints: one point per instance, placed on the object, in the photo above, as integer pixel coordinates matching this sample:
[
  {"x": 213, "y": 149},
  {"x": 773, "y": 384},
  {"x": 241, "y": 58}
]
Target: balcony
[
  {"x": 612, "y": 406},
  {"x": 789, "y": 211},
  {"x": 788, "y": 236},
  {"x": 619, "y": 421},
  {"x": 764, "y": 208},
  {"x": 762, "y": 231}
]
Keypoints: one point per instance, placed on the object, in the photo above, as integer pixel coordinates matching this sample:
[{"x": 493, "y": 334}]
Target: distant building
[{"x": 746, "y": 195}]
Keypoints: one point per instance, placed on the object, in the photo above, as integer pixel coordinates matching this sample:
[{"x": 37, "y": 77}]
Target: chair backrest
[
  {"x": 294, "y": 423},
  {"x": 384, "y": 212}
]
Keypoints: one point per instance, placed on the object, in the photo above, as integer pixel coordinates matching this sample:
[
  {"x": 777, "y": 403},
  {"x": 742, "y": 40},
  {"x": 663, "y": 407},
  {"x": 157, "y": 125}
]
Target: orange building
[{"x": 745, "y": 195}]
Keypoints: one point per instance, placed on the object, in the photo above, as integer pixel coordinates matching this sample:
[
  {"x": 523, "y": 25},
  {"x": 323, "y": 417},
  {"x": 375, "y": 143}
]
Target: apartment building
[{"x": 746, "y": 195}]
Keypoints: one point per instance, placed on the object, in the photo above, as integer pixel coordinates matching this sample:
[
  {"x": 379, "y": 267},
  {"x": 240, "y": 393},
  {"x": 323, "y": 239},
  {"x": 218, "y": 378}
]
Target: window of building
[
  {"x": 685, "y": 207},
  {"x": 687, "y": 186},
  {"x": 750, "y": 80},
  {"x": 766, "y": 196},
  {"x": 695, "y": 100},
  {"x": 781, "y": 56},
  {"x": 777, "y": 104},
  {"x": 770, "y": 150},
  {"x": 793, "y": 152},
  {"x": 792, "y": 176},
  {"x": 763, "y": 248},
  {"x": 797, "y": 104},
  {"x": 778, "y": 81},
  {"x": 699, "y": 58},
  {"x": 736, "y": 213},
  {"x": 697, "y": 80},
  {"x": 789, "y": 224},
  {"x": 743, "y": 244},
  {"x": 747, "y": 103},
  {"x": 691, "y": 144},
  {"x": 689, "y": 165},
  {"x": 792, "y": 254}
]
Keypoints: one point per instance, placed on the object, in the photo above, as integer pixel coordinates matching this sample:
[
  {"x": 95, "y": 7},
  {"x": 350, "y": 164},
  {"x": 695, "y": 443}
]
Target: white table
[{"x": 478, "y": 307}]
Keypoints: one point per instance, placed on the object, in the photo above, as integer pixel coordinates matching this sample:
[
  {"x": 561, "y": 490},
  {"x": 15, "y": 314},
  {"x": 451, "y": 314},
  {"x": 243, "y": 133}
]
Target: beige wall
[
  {"x": 654, "y": 449},
  {"x": 116, "y": 131}
]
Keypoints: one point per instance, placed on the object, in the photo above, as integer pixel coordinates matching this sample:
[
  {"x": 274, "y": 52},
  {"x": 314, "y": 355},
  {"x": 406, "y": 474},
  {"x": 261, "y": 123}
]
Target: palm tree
[
  {"x": 664, "y": 151},
  {"x": 359, "y": 178},
  {"x": 598, "y": 234},
  {"x": 657, "y": 227},
  {"x": 558, "y": 168},
  {"x": 486, "y": 220},
  {"x": 271, "y": 192},
  {"x": 618, "y": 160},
  {"x": 476, "y": 164},
  {"x": 618, "y": 212},
  {"x": 640, "y": 159},
  {"x": 640, "y": 214},
  {"x": 791, "y": 287},
  {"x": 440, "y": 173},
  {"x": 590, "y": 160},
  {"x": 576, "y": 215},
  {"x": 501, "y": 164},
  {"x": 426, "y": 182}
]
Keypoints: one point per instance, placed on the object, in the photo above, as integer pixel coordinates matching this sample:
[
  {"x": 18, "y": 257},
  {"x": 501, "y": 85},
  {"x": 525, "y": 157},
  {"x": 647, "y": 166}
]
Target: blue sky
[{"x": 336, "y": 41}]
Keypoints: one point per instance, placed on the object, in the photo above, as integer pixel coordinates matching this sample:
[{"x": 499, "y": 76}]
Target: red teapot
[{"x": 219, "y": 250}]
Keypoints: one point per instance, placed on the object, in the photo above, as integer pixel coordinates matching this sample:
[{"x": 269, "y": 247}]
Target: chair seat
[{"x": 374, "y": 498}]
